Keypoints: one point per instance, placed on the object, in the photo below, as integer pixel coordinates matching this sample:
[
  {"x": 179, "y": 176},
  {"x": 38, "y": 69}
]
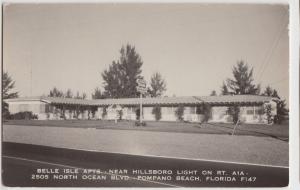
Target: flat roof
[{"x": 148, "y": 101}]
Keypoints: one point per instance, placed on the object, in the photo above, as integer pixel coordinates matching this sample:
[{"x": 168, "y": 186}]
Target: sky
[{"x": 193, "y": 46}]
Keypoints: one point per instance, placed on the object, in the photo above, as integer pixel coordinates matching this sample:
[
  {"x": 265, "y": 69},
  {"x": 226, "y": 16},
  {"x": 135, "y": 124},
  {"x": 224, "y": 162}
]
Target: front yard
[
  {"x": 275, "y": 131},
  {"x": 242, "y": 149}
]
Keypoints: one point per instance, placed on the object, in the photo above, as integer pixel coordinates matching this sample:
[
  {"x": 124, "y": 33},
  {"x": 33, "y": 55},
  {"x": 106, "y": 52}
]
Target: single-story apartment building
[{"x": 47, "y": 108}]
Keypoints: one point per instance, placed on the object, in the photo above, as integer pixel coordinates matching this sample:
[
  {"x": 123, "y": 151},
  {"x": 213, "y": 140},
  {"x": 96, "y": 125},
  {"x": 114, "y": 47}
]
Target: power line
[
  {"x": 268, "y": 56},
  {"x": 279, "y": 81},
  {"x": 269, "y": 49}
]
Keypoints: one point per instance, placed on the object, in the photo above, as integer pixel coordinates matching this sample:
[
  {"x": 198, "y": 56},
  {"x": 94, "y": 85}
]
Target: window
[
  {"x": 192, "y": 110},
  {"x": 259, "y": 111},
  {"x": 250, "y": 112}
]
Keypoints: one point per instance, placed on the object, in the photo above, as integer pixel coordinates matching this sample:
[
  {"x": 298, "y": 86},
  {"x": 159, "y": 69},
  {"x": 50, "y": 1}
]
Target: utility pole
[{"x": 141, "y": 88}]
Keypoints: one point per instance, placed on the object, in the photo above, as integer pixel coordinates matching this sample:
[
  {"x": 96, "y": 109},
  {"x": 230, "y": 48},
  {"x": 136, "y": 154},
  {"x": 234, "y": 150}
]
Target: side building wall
[{"x": 36, "y": 107}]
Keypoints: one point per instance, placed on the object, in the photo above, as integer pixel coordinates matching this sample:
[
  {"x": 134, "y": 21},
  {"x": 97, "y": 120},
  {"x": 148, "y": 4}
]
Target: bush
[
  {"x": 156, "y": 111},
  {"x": 5, "y": 112},
  {"x": 179, "y": 113},
  {"x": 120, "y": 114},
  {"x": 27, "y": 115},
  {"x": 104, "y": 112},
  {"x": 234, "y": 112},
  {"x": 282, "y": 112},
  {"x": 137, "y": 114},
  {"x": 204, "y": 110},
  {"x": 268, "y": 112},
  {"x": 138, "y": 123}
]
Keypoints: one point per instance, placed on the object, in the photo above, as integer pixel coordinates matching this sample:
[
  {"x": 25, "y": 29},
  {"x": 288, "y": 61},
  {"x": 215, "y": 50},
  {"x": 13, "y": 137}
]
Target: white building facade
[{"x": 49, "y": 108}]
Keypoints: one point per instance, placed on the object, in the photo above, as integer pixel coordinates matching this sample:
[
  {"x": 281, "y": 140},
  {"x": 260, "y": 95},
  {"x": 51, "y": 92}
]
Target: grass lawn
[
  {"x": 275, "y": 131},
  {"x": 245, "y": 149}
]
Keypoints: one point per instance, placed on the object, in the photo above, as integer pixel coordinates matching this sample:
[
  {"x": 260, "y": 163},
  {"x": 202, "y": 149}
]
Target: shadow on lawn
[{"x": 248, "y": 131}]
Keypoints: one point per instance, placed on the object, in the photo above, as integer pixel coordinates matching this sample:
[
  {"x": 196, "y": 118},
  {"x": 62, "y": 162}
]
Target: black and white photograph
[{"x": 145, "y": 95}]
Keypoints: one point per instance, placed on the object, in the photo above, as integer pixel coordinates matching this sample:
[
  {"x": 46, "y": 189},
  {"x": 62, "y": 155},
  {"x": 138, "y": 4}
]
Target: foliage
[
  {"x": 7, "y": 86},
  {"x": 268, "y": 91},
  {"x": 120, "y": 114},
  {"x": 56, "y": 93},
  {"x": 234, "y": 112},
  {"x": 120, "y": 79},
  {"x": 205, "y": 110},
  {"x": 78, "y": 96},
  {"x": 28, "y": 115},
  {"x": 97, "y": 94},
  {"x": 282, "y": 111},
  {"x": 137, "y": 114},
  {"x": 242, "y": 82},
  {"x": 156, "y": 111},
  {"x": 69, "y": 94},
  {"x": 213, "y": 93},
  {"x": 179, "y": 112},
  {"x": 104, "y": 112},
  {"x": 268, "y": 112},
  {"x": 157, "y": 85},
  {"x": 138, "y": 123},
  {"x": 224, "y": 89}
]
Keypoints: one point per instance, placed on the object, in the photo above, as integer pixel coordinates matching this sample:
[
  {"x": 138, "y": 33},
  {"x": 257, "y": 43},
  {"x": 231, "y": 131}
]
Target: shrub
[
  {"x": 234, "y": 112},
  {"x": 104, "y": 112},
  {"x": 282, "y": 112},
  {"x": 5, "y": 112},
  {"x": 138, "y": 123},
  {"x": 205, "y": 110},
  {"x": 137, "y": 114},
  {"x": 179, "y": 112},
  {"x": 120, "y": 114},
  {"x": 156, "y": 111},
  {"x": 268, "y": 112},
  {"x": 28, "y": 115}
]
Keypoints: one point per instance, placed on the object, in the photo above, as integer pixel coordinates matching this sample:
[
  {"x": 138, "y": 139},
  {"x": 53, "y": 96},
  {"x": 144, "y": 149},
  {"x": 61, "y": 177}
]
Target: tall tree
[
  {"x": 120, "y": 80},
  {"x": 97, "y": 94},
  {"x": 157, "y": 85},
  {"x": 7, "y": 86},
  {"x": 242, "y": 82},
  {"x": 56, "y": 93}
]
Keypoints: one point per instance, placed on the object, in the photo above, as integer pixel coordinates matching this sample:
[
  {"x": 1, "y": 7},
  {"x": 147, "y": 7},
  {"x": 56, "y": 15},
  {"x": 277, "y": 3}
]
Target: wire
[
  {"x": 268, "y": 56},
  {"x": 279, "y": 81}
]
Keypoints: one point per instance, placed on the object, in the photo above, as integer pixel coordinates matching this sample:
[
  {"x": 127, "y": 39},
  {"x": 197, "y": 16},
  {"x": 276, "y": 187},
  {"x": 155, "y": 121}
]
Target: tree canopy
[
  {"x": 7, "y": 92},
  {"x": 78, "y": 96},
  {"x": 157, "y": 85},
  {"x": 270, "y": 92},
  {"x": 97, "y": 94},
  {"x": 55, "y": 92},
  {"x": 120, "y": 79},
  {"x": 224, "y": 89},
  {"x": 242, "y": 81},
  {"x": 7, "y": 86},
  {"x": 282, "y": 111},
  {"x": 69, "y": 94}
]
